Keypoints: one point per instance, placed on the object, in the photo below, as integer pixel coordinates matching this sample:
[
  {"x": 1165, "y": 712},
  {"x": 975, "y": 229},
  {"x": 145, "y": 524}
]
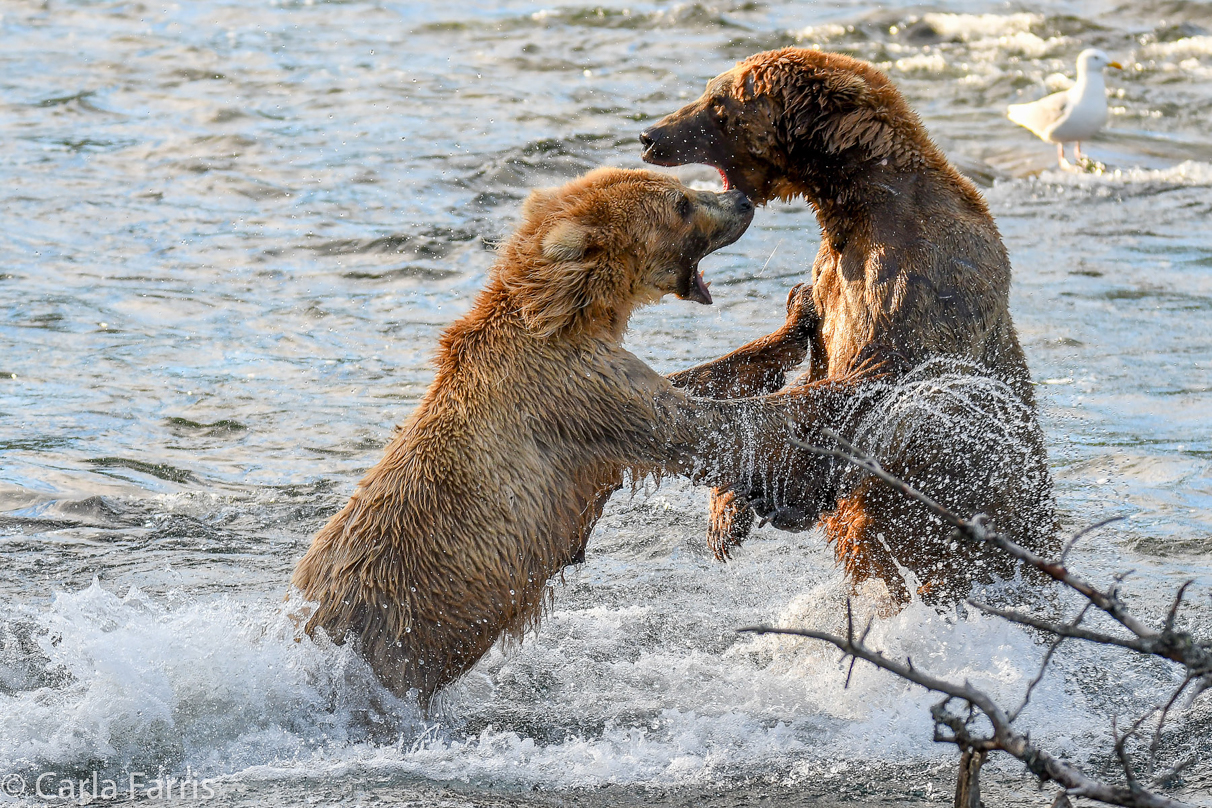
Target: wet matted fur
[
  {"x": 494, "y": 483},
  {"x": 911, "y": 270}
]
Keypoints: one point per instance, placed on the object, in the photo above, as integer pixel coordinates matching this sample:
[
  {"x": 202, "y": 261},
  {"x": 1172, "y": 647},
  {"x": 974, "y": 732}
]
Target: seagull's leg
[
  {"x": 1060, "y": 154},
  {"x": 1077, "y": 149}
]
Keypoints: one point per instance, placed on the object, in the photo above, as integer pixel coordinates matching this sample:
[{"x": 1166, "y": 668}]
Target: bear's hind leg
[{"x": 861, "y": 545}]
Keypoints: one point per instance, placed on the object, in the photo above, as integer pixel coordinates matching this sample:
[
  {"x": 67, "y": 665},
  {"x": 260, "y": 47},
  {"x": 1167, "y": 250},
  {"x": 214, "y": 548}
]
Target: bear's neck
[
  {"x": 861, "y": 200},
  {"x": 500, "y": 306},
  {"x": 848, "y": 212}
]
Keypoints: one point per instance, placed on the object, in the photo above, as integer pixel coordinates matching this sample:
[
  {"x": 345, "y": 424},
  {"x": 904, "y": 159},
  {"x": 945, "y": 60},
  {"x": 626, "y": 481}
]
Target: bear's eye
[
  {"x": 684, "y": 207},
  {"x": 718, "y": 113}
]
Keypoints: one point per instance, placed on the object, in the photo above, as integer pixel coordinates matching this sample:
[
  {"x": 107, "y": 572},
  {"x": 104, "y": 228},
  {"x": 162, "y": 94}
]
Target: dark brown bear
[{"x": 909, "y": 290}]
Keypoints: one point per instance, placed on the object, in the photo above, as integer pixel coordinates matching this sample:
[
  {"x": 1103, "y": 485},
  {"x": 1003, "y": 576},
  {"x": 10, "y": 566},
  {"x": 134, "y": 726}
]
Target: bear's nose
[
  {"x": 646, "y": 138},
  {"x": 744, "y": 204}
]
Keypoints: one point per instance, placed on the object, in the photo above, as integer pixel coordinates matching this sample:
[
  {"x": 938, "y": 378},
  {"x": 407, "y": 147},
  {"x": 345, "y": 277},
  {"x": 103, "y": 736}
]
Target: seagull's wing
[{"x": 1040, "y": 116}]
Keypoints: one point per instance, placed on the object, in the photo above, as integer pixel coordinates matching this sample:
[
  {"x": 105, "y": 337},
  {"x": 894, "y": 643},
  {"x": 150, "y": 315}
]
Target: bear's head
[
  {"x": 791, "y": 121},
  {"x": 591, "y": 251}
]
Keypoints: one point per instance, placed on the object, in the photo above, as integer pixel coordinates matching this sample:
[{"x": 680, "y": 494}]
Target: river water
[{"x": 232, "y": 233}]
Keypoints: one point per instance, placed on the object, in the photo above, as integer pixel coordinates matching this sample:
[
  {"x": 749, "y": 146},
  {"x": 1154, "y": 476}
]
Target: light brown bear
[
  {"x": 910, "y": 288},
  {"x": 494, "y": 483}
]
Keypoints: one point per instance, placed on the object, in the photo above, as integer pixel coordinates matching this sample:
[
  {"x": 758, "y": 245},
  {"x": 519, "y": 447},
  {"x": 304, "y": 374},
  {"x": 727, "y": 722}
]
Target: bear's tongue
[
  {"x": 724, "y": 177},
  {"x": 701, "y": 285}
]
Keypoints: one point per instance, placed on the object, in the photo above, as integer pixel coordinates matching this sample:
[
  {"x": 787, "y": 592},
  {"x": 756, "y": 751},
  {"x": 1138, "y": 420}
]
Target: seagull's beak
[{"x": 1116, "y": 65}]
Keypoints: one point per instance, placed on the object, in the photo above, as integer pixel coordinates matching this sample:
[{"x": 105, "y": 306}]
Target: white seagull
[{"x": 1072, "y": 115}]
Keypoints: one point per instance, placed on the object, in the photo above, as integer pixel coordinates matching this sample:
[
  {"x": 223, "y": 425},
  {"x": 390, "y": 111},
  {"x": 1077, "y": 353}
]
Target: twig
[
  {"x": 1155, "y": 744},
  {"x": 857, "y": 457},
  {"x": 1176, "y": 769},
  {"x": 1178, "y": 601},
  {"x": 1121, "y": 750},
  {"x": 1043, "y": 667},
  {"x": 768, "y": 260},
  {"x": 1085, "y": 530},
  {"x": 1061, "y": 629}
]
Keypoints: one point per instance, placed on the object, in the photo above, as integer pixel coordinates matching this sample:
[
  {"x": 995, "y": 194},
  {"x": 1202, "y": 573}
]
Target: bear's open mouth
[{"x": 724, "y": 177}]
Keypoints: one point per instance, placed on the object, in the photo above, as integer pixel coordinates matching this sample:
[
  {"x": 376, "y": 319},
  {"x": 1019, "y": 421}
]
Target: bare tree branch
[
  {"x": 1174, "y": 645},
  {"x": 1121, "y": 749},
  {"x": 1155, "y": 744},
  {"x": 1005, "y": 738},
  {"x": 856, "y": 457},
  {"x": 1178, "y": 601},
  {"x": 1167, "y": 642},
  {"x": 1061, "y": 801},
  {"x": 1061, "y": 629},
  {"x": 1176, "y": 769}
]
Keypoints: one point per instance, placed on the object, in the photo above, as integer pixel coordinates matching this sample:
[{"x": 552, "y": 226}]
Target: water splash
[{"x": 138, "y": 684}]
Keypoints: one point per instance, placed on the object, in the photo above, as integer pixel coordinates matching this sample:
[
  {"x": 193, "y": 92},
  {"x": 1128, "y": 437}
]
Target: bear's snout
[
  {"x": 729, "y": 214},
  {"x": 674, "y": 141},
  {"x": 648, "y": 139}
]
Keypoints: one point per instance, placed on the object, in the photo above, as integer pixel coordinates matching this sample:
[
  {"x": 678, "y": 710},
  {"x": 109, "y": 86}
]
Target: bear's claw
[{"x": 731, "y": 521}]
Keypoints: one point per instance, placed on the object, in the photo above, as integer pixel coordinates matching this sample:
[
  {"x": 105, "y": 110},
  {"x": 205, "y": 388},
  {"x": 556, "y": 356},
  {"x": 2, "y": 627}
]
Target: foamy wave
[
  {"x": 1189, "y": 172},
  {"x": 1023, "y": 43},
  {"x": 987, "y": 35},
  {"x": 704, "y": 746},
  {"x": 968, "y": 27},
  {"x": 922, "y": 63},
  {"x": 821, "y": 33},
  {"x": 1188, "y": 47},
  {"x": 776, "y": 704}
]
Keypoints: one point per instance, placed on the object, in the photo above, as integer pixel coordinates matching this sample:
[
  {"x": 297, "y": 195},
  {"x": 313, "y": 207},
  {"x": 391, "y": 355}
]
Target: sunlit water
[{"x": 232, "y": 232}]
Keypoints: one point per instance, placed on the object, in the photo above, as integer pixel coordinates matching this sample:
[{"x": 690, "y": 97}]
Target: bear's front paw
[
  {"x": 731, "y": 520},
  {"x": 802, "y": 316}
]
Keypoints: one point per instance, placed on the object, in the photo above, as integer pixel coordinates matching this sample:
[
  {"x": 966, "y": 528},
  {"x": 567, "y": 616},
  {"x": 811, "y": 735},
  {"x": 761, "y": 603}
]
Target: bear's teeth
[
  {"x": 724, "y": 177},
  {"x": 702, "y": 287}
]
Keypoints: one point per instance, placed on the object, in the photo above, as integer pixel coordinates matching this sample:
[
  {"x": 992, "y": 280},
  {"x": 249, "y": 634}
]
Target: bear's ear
[
  {"x": 845, "y": 88},
  {"x": 835, "y": 111},
  {"x": 746, "y": 89},
  {"x": 567, "y": 241},
  {"x": 537, "y": 203}
]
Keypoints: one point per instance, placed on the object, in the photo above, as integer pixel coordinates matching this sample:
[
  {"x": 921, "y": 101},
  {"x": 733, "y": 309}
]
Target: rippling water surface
[{"x": 232, "y": 232}]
